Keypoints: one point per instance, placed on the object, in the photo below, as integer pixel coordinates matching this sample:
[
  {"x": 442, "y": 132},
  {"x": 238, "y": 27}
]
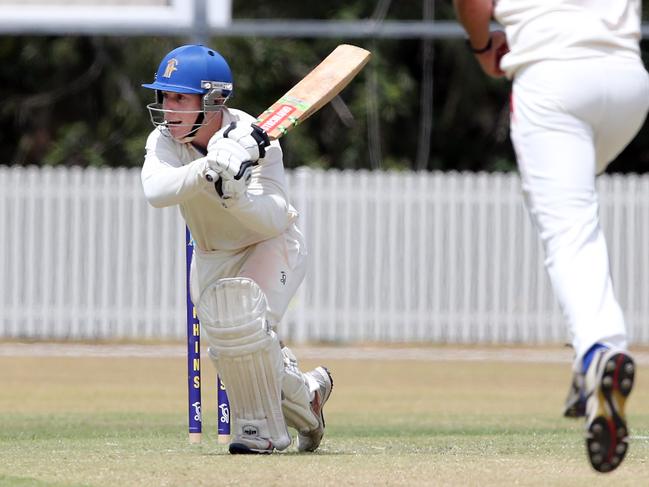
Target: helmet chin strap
[{"x": 189, "y": 136}]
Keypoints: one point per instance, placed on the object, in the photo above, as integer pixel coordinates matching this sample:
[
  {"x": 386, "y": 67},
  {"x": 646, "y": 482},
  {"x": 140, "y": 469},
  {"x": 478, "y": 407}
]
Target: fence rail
[{"x": 401, "y": 256}]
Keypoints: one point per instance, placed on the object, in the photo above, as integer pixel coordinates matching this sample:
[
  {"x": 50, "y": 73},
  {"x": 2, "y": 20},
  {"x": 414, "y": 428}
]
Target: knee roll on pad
[
  {"x": 247, "y": 355},
  {"x": 233, "y": 312}
]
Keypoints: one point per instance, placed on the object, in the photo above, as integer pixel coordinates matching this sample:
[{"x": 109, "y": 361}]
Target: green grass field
[{"x": 116, "y": 421}]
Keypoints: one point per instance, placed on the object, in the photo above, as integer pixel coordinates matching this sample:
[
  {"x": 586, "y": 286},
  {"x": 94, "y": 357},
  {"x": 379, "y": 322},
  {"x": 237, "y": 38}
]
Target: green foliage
[{"x": 78, "y": 100}]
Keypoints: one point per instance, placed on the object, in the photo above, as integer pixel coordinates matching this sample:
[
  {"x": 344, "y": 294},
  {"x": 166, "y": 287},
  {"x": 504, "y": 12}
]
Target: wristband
[{"x": 480, "y": 51}]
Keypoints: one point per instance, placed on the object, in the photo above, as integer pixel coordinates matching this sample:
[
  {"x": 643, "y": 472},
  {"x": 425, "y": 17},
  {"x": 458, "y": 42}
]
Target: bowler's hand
[{"x": 490, "y": 60}]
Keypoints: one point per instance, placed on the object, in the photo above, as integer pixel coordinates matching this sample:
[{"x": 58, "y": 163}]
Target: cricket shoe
[
  {"x": 251, "y": 445},
  {"x": 321, "y": 377},
  {"x": 253, "y": 438},
  {"x": 575, "y": 406},
  {"x": 608, "y": 383}
]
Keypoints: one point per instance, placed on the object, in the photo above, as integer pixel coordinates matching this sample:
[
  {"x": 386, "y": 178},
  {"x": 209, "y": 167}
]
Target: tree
[{"x": 78, "y": 100}]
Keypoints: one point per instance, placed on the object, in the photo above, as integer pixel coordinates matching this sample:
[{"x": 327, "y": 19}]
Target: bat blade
[{"x": 314, "y": 91}]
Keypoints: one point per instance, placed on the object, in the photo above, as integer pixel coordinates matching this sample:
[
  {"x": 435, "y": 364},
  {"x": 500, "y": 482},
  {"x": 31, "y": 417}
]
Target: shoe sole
[
  {"x": 607, "y": 436},
  {"x": 243, "y": 449}
]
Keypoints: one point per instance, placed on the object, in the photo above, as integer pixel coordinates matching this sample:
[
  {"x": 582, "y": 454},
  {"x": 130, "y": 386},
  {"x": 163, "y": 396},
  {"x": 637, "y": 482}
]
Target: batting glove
[
  {"x": 249, "y": 136},
  {"x": 229, "y": 168}
]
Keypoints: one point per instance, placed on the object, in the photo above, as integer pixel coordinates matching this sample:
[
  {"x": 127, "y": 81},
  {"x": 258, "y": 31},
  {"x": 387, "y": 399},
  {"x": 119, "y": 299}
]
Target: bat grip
[{"x": 211, "y": 175}]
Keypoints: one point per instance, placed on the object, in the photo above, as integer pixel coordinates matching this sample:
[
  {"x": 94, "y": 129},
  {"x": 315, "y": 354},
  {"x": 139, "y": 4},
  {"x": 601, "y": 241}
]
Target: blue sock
[{"x": 588, "y": 356}]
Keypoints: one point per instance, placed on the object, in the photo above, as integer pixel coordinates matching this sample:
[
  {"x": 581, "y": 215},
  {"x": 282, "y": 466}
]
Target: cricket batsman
[
  {"x": 580, "y": 94},
  {"x": 228, "y": 180}
]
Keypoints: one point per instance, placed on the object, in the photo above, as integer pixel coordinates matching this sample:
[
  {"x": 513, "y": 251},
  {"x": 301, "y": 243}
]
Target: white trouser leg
[
  {"x": 560, "y": 133},
  {"x": 276, "y": 265}
]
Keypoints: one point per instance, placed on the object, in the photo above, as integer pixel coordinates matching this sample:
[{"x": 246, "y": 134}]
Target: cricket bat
[
  {"x": 311, "y": 93},
  {"x": 314, "y": 91}
]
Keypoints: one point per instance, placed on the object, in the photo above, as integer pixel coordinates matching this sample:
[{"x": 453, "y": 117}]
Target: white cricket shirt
[
  {"x": 567, "y": 29},
  {"x": 174, "y": 174}
]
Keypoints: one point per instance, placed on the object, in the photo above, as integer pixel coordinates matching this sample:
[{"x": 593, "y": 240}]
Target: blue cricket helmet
[
  {"x": 194, "y": 69},
  {"x": 191, "y": 69}
]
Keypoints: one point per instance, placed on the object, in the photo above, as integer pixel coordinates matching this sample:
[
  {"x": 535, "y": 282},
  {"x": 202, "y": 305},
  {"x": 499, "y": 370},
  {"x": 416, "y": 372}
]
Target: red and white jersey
[
  {"x": 567, "y": 29},
  {"x": 174, "y": 174}
]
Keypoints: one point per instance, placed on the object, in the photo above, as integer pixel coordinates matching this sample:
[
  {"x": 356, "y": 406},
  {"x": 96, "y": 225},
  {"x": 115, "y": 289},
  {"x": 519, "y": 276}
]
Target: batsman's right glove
[{"x": 229, "y": 168}]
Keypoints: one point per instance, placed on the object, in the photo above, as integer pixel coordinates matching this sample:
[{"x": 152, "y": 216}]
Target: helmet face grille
[
  {"x": 158, "y": 116},
  {"x": 217, "y": 94}
]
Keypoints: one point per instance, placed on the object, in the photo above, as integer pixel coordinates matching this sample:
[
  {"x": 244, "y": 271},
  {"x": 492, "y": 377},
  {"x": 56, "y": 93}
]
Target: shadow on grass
[{"x": 7, "y": 481}]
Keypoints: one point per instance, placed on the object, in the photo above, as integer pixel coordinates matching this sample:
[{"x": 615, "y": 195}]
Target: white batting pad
[
  {"x": 297, "y": 393},
  {"x": 247, "y": 355}
]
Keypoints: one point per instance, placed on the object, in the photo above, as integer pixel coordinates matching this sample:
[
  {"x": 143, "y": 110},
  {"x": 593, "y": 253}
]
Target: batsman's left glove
[{"x": 249, "y": 136}]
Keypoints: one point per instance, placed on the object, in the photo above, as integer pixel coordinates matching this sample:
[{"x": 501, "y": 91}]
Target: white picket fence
[{"x": 394, "y": 257}]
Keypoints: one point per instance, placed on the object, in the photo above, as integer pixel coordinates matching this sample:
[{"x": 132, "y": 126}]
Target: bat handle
[{"x": 211, "y": 175}]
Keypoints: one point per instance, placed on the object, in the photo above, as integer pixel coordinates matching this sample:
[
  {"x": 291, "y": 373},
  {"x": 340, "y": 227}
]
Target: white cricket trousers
[
  {"x": 277, "y": 265},
  {"x": 569, "y": 120}
]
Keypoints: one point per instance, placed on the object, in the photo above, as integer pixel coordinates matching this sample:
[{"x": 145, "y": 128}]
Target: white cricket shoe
[
  {"x": 608, "y": 383},
  {"x": 311, "y": 441},
  {"x": 252, "y": 437}
]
